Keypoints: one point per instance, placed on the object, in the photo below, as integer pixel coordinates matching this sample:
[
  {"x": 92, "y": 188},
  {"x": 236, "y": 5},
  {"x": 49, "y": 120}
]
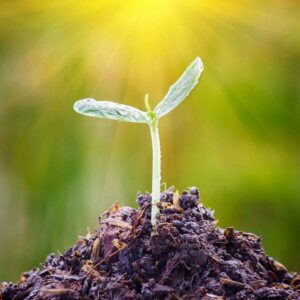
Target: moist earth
[{"x": 185, "y": 256}]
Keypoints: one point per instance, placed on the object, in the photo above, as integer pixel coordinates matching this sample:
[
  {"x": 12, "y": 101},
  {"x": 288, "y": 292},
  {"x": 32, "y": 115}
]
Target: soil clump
[{"x": 186, "y": 256}]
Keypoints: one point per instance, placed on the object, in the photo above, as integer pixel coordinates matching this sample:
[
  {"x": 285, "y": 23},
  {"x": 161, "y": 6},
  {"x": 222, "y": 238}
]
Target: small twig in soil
[
  {"x": 95, "y": 250},
  {"x": 103, "y": 260},
  {"x": 116, "y": 223}
]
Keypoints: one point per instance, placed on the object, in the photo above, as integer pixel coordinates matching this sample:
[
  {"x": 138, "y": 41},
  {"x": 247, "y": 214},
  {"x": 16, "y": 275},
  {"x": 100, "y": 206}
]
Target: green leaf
[
  {"x": 110, "y": 110},
  {"x": 180, "y": 89}
]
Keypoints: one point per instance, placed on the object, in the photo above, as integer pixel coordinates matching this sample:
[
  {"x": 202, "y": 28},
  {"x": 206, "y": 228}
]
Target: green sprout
[{"x": 115, "y": 111}]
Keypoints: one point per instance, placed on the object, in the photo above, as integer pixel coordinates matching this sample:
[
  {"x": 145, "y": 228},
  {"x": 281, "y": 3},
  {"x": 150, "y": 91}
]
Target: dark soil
[{"x": 186, "y": 256}]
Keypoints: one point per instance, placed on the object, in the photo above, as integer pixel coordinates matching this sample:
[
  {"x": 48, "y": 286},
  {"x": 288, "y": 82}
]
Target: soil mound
[{"x": 186, "y": 256}]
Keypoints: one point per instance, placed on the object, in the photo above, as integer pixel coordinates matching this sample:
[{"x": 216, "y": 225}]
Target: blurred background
[{"x": 236, "y": 137}]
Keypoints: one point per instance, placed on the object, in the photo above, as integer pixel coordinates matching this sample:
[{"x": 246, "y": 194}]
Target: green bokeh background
[{"x": 236, "y": 137}]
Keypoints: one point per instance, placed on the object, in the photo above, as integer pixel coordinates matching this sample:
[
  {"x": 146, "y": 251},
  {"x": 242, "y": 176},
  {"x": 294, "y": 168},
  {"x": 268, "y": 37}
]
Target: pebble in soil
[{"x": 186, "y": 256}]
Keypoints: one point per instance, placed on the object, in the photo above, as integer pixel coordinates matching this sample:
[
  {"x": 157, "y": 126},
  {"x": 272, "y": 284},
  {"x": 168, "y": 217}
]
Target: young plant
[{"x": 120, "y": 112}]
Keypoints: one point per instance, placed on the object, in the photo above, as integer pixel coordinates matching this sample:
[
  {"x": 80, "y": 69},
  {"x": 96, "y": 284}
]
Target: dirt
[{"x": 186, "y": 256}]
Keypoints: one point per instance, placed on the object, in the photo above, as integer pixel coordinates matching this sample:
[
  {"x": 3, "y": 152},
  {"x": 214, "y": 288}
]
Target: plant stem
[{"x": 156, "y": 161}]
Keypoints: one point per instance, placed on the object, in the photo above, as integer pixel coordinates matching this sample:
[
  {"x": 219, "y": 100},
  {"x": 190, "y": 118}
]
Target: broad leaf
[
  {"x": 180, "y": 89},
  {"x": 110, "y": 110}
]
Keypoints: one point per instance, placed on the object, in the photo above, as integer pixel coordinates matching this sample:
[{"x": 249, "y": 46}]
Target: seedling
[{"x": 120, "y": 112}]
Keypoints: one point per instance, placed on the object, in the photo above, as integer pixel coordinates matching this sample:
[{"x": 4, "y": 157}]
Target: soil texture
[{"x": 186, "y": 256}]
